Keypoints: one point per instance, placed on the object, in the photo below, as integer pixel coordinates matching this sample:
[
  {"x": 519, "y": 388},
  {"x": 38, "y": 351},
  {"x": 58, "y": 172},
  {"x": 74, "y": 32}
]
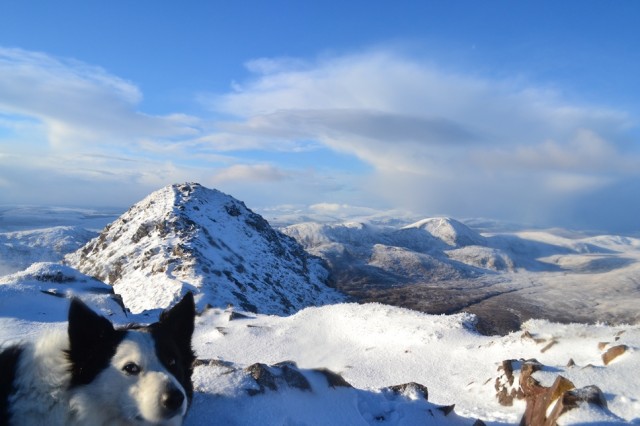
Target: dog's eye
[{"x": 131, "y": 368}]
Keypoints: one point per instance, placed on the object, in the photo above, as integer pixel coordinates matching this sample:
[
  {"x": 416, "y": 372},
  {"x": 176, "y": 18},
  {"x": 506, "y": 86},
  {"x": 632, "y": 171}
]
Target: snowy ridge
[
  {"x": 187, "y": 237},
  {"x": 41, "y": 292},
  {"x": 449, "y": 231},
  {"x": 19, "y": 249}
]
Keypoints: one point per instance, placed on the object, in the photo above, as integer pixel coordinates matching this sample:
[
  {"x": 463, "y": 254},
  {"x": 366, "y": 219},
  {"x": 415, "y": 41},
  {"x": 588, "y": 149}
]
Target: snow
[
  {"x": 371, "y": 346},
  {"x": 190, "y": 238},
  {"x": 374, "y": 346},
  {"x": 565, "y": 276},
  {"x": 19, "y": 249}
]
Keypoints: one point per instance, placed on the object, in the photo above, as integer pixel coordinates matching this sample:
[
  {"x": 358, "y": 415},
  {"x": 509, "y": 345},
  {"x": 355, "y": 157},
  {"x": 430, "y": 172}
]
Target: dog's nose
[{"x": 172, "y": 400}]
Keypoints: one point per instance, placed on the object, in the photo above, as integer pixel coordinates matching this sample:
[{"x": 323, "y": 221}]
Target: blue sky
[{"x": 520, "y": 111}]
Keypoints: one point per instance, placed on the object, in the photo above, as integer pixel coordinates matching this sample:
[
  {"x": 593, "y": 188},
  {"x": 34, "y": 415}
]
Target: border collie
[{"x": 99, "y": 375}]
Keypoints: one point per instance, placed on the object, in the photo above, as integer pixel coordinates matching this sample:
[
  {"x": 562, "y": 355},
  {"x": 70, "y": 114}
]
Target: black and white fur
[{"x": 98, "y": 375}]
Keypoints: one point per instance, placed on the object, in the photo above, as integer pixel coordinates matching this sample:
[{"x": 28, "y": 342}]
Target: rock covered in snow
[
  {"x": 42, "y": 291},
  {"x": 283, "y": 393},
  {"x": 187, "y": 237}
]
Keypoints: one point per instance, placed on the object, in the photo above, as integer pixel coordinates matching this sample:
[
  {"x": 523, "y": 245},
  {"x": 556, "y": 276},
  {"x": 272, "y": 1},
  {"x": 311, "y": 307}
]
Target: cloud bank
[
  {"x": 443, "y": 142},
  {"x": 373, "y": 129}
]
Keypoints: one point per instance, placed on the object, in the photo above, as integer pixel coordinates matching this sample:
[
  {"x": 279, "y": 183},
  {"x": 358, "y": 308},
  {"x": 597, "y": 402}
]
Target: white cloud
[
  {"x": 250, "y": 173},
  {"x": 438, "y": 141},
  {"x": 435, "y": 141},
  {"x": 78, "y": 103}
]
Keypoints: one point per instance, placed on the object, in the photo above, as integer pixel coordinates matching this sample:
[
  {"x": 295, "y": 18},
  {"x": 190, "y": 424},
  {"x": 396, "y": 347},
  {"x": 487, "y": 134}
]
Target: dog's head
[{"x": 132, "y": 375}]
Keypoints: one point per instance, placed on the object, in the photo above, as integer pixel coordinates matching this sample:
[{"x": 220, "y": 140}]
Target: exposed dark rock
[
  {"x": 447, "y": 409},
  {"x": 233, "y": 315},
  {"x": 212, "y": 362},
  {"x": 411, "y": 387},
  {"x": 277, "y": 376},
  {"x": 334, "y": 379}
]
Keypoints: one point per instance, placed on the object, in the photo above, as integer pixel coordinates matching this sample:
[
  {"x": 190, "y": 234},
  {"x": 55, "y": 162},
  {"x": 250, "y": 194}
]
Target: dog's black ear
[
  {"x": 86, "y": 326},
  {"x": 92, "y": 342},
  {"x": 179, "y": 320}
]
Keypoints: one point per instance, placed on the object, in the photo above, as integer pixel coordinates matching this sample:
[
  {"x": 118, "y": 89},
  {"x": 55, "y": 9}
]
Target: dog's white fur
[
  {"x": 42, "y": 396},
  {"x": 42, "y": 377}
]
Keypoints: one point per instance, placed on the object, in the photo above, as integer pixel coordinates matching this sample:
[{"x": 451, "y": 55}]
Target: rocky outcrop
[
  {"x": 190, "y": 238},
  {"x": 544, "y": 404},
  {"x": 285, "y": 381},
  {"x": 550, "y": 397},
  {"x": 284, "y": 374}
]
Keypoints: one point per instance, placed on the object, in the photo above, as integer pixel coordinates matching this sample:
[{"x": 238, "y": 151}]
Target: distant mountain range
[
  {"x": 187, "y": 237},
  {"x": 440, "y": 265}
]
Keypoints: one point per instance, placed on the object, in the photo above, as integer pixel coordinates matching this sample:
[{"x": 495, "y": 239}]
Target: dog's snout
[{"x": 172, "y": 400}]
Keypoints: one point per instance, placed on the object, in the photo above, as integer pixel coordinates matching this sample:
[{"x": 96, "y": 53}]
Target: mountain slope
[{"x": 187, "y": 237}]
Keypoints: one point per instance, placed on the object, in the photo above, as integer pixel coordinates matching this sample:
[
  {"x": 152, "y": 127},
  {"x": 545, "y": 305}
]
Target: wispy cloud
[
  {"x": 433, "y": 140},
  {"x": 438, "y": 141},
  {"x": 77, "y": 103},
  {"x": 250, "y": 173},
  {"x": 72, "y": 133}
]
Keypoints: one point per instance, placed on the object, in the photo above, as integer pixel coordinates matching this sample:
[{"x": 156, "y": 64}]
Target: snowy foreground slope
[{"x": 371, "y": 346}]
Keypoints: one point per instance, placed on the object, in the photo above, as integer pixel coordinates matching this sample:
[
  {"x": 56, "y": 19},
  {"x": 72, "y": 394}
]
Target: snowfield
[
  {"x": 372, "y": 347},
  {"x": 291, "y": 351}
]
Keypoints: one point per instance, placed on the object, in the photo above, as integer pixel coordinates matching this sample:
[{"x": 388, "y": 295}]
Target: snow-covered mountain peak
[
  {"x": 449, "y": 231},
  {"x": 188, "y": 237}
]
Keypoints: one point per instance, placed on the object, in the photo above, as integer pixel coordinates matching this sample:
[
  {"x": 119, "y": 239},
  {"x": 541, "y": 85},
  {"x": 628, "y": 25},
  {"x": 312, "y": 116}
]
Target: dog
[{"x": 98, "y": 375}]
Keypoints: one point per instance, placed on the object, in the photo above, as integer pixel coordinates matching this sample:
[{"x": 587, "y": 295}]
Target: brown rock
[
  {"x": 539, "y": 398},
  {"x": 334, "y": 379},
  {"x": 548, "y": 346},
  {"x": 562, "y": 396},
  {"x": 505, "y": 391},
  {"x": 571, "y": 399},
  {"x": 613, "y": 352},
  {"x": 526, "y": 335}
]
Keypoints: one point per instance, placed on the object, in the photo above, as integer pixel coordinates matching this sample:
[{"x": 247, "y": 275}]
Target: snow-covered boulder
[{"x": 41, "y": 292}]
